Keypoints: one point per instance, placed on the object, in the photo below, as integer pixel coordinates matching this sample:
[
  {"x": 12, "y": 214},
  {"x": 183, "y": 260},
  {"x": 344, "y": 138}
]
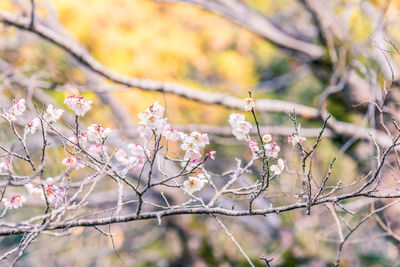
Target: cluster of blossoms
[
  {"x": 240, "y": 127},
  {"x": 54, "y": 194},
  {"x": 253, "y": 145},
  {"x": 192, "y": 144},
  {"x": 91, "y": 139},
  {"x": 16, "y": 110},
  {"x": 194, "y": 183},
  {"x": 13, "y": 202},
  {"x": 78, "y": 105},
  {"x": 152, "y": 120},
  {"x": 51, "y": 115}
]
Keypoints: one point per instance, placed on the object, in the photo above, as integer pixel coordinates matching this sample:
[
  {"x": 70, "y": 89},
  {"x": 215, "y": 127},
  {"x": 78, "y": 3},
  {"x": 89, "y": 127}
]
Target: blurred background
[{"x": 178, "y": 42}]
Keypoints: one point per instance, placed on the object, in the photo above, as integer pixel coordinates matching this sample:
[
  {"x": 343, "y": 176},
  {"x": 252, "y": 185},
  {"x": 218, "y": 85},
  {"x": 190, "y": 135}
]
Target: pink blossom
[
  {"x": 72, "y": 162},
  {"x": 54, "y": 193},
  {"x": 253, "y": 145}
]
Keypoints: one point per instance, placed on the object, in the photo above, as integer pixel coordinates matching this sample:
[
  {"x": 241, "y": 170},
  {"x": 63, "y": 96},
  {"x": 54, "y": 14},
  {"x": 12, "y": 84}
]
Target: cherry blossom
[
  {"x": 194, "y": 183},
  {"x": 235, "y": 118},
  {"x": 272, "y": 149},
  {"x": 152, "y": 120},
  {"x": 13, "y": 202},
  {"x": 53, "y": 114},
  {"x": 201, "y": 140},
  {"x": 191, "y": 147},
  {"x": 249, "y": 104},
  {"x": 157, "y": 110},
  {"x": 72, "y": 162},
  {"x": 96, "y": 133},
  {"x": 240, "y": 127},
  {"x": 32, "y": 126},
  {"x": 83, "y": 138},
  {"x": 18, "y": 107},
  {"x": 78, "y": 105},
  {"x": 54, "y": 194},
  {"x": 211, "y": 155},
  {"x": 253, "y": 145},
  {"x": 267, "y": 138},
  {"x": 278, "y": 168}
]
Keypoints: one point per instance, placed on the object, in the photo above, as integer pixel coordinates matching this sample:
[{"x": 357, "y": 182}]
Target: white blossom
[
  {"x": 249, "y": 104},
  {"x": 32, "y": 126},
  {"x": 96, "y": 133},
  {"x": 53, "y": 114},
  {"x": 267, "y": 138},
  {"x": 194, "y": 183},
  {"x": 152, "y": 120},
  {"x": 78, "y": 105},
  {"x": 278, "y": 168},
  {"x": 18, "y": 107},
  {"x": 240, "y": 127}
]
